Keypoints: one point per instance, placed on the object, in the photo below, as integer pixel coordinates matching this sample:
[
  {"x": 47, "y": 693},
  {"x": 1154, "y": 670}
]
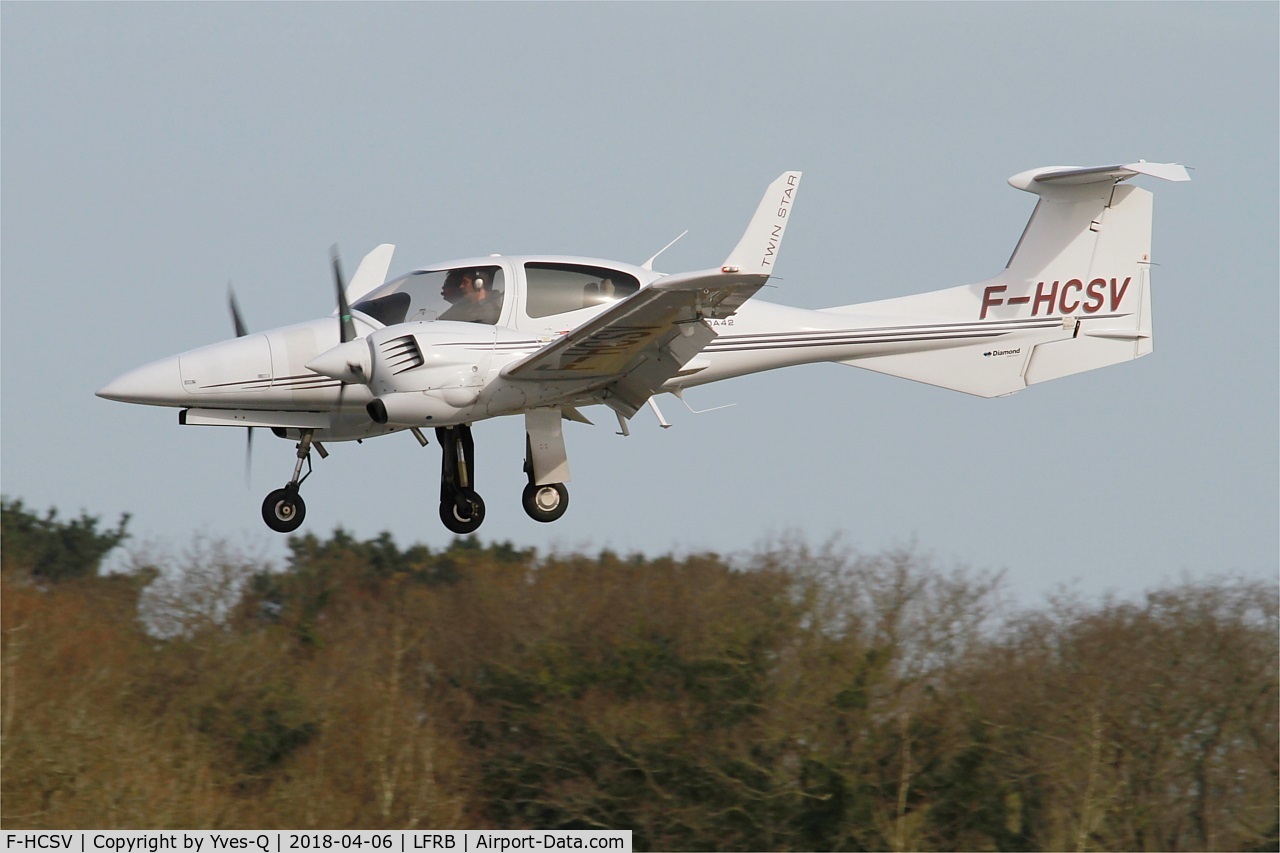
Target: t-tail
[{"x": 1075, "y": 295}]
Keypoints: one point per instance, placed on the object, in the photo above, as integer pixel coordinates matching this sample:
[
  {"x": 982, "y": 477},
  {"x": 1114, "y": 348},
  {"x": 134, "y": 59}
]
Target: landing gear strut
[
  {"x": 543, "y": 503},
  {"x": 545, "y": 459},
  {"x": 284, "y": 509},
  {"x": 461, "y": 509}
]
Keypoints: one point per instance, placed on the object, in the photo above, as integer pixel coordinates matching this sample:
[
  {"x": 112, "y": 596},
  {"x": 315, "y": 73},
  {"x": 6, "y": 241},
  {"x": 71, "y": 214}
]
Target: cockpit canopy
[
  {"x": 465, "y": 294},
  {"x": 476, "y": 293},
  {"x": 558, "y": 288}
]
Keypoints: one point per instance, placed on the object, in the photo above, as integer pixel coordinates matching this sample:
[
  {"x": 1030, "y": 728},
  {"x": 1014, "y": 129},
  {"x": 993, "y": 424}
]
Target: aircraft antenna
[{"x": 648, "y": 265}]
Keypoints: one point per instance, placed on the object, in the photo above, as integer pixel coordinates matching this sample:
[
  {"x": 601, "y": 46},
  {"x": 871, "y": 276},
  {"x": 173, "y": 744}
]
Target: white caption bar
[{"x": 287, "y": 841}]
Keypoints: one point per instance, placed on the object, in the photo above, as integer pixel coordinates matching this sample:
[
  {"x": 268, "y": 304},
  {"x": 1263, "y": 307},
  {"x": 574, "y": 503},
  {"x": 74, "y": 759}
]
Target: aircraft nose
[{"x": 157, "y": 384}]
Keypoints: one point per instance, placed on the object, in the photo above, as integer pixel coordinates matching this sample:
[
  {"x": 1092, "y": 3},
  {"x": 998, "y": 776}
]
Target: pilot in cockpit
[{"x": 471, "y": 297}]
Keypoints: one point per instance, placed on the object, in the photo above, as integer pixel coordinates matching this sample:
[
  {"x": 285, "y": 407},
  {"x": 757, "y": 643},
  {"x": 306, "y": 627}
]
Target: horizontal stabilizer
[{"x": 1035, "y": 180}]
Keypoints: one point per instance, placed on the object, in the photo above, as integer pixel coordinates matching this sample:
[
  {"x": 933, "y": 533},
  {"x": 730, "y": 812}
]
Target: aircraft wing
[
  {"x": 640, "y": 342},
  {"x": 626, "y": 353}
]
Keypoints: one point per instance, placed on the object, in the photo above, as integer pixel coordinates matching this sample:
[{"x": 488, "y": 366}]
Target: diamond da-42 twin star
[{"x": 545, "y": 336}]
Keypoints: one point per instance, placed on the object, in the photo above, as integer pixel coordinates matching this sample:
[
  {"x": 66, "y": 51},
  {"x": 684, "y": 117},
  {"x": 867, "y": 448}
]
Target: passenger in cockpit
[{"x": 471, "y": 297}]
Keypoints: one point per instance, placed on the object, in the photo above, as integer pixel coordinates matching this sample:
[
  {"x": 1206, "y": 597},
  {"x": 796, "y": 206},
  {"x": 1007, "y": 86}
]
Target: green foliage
[
  {"x": 319, "y": 569},
  {"x": 258, "y": 729},
  {"x": 809, "y": 700},
  {"x": 52, "y": 549}
]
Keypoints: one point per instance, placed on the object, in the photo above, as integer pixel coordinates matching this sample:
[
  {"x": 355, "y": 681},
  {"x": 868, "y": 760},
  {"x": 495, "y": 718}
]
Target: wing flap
[
  {"x": 642, "y": 341},
  {"x": 643, "y": 323},
  {"x": 626, "y": 353}
]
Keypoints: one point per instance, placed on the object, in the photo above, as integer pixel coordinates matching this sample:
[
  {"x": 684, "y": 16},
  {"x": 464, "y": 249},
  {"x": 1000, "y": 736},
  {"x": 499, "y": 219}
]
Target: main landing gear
[
  {"x": 543, "y": 503},
  {"x": 545, "y": 498},
  {"x": 284, "y": 510},
  {"x": 461, "y": 509}
]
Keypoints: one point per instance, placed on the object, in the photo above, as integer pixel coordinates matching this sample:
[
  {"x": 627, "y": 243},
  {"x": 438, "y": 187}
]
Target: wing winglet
[
  {"x": 757, "y": 251},
  {"x": 371, "y": 272}
]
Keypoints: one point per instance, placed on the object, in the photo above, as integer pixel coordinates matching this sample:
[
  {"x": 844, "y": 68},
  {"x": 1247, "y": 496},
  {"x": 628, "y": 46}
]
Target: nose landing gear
[{"x": 284, "y": 510}]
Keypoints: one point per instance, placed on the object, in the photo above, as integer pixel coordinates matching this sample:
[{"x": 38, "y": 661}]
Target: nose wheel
[{"x": 284, "y": 510}]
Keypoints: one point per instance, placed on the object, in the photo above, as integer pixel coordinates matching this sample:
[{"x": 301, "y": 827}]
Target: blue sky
[{"x": 151, "y": 152}]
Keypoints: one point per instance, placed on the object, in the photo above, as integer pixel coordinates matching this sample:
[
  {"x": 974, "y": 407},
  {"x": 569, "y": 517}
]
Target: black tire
[
  {"x": 545, "y": 503},
  {"x": 462, "y": 520},
  {"x": 284, "y": 510}
]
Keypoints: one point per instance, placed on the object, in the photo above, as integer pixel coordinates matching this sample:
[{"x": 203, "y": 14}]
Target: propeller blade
[
  {"x": 236, "y": 319},
  {"x": 248, "y": 455},
  {"x": 346, "y": 327}
]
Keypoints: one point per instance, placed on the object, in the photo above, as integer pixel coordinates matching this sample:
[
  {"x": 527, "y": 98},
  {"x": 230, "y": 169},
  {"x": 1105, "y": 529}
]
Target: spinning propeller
[
  {"x": 346, "y": 327},
  {"x": 349, "y": 362},
  {"x": 355, "y": 365},
  {"x": 237, "y": 321}
]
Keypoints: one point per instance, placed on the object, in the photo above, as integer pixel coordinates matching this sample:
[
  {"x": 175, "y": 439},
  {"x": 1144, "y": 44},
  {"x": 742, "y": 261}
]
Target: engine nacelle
[
  {"x": 429, "y": 357},
  {"x": 421, "y": 374},
  {"x": 422, "y": 408}
]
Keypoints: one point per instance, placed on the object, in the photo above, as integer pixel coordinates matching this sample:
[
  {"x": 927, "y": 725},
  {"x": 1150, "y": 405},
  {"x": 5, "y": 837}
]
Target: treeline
[{"x": 793, "y": 699}]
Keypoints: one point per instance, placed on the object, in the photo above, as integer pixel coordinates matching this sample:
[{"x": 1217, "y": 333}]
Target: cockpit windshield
[{"x": 465, "y": 294}]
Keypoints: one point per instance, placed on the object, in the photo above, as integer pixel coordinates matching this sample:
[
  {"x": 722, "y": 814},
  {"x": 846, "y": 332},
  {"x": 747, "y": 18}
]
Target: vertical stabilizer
[{"x": 1075, "y": 295}]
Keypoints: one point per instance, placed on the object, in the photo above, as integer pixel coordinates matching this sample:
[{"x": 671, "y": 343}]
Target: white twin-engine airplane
[{"x": 543, "y": 336}]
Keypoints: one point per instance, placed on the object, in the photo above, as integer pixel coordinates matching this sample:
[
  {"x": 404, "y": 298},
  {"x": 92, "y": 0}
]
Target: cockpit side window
[
  {"x": 465, "y": 294},
  {"x": 558, "y": 288},
  {"x": 387, "y": 310}
]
